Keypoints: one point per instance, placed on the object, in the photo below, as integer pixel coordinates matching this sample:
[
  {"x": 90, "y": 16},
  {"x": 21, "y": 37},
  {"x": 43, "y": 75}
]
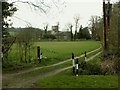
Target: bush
[
  {"x": 111, "y": 64},
  {"x": 88, "y": 69},
  {"x": 117, "y": 65}
]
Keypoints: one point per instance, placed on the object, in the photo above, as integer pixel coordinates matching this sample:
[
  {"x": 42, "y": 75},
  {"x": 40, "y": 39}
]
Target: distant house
[
  {"x": 55, "y": 30},
  {"x": 60, "y": 35},
  {"x": 65, "y": 35}
]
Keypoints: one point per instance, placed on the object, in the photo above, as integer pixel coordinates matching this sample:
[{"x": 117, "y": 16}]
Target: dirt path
[
  {"x": 37, "y": 68},
  {"x": 92, "y": 57},
  {"x": 16, "y": 82},
  {"x": 29, "y": 82}
]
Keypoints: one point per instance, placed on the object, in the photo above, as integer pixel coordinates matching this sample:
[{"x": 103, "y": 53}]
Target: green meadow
[
  {"x": 56, "y": 51},
  {"x": 52, "y": 52}
]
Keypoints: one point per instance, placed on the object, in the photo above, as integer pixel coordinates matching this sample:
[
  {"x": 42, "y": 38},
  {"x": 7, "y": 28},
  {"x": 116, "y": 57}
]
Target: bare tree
[
  {"x": 69, "y": 26},
  {"x": 24, "y": 40},
  {"x": 95, "y": 26},
  {"x": 46, "y": 27},
  {"x": 41, "y": 5},
  {"x": 76, "y": 18}
]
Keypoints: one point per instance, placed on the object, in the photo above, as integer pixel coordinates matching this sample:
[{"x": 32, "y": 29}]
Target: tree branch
[{"x": 34, "y": 5}]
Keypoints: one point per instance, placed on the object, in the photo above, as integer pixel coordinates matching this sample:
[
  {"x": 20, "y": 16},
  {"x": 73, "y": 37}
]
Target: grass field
[
  {"x": 57, "y": 50},
  {"x": 53, "y": 51}
]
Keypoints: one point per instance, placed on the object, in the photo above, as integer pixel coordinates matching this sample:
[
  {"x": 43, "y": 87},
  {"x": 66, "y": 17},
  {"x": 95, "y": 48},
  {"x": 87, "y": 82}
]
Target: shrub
[
  {"x": 88, "y": 69},
  {"x": 110, "y": 64}
]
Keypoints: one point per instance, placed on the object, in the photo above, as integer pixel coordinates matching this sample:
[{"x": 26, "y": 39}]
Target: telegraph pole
[
  {"x": 108, "y": 16},
  {"x": 104, "y": 31},
  {"x": 118, "y": 26},
  {"x": 1, "y": 51},
  {"x": 107, "y": 10},
  {"x": 107, "y": 23}
]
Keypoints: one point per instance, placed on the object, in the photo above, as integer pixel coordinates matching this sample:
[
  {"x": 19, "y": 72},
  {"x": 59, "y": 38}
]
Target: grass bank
[{"x": 67, "y": 80}]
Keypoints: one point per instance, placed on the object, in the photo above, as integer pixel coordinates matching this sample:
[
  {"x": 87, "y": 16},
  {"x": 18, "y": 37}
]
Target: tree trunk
[
  {"x": 119, "y": 28},
  {"x": 21, "y": 53},
  {"x": 29, "y": 55},
  {"x": 25, "y": 52}
]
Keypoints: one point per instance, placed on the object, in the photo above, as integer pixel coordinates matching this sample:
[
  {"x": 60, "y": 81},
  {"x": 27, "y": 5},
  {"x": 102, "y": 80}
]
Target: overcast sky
[{"x": 64, "y": 13}]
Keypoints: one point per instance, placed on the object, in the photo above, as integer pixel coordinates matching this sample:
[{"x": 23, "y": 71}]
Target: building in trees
[{"x": 55, "y": 29}]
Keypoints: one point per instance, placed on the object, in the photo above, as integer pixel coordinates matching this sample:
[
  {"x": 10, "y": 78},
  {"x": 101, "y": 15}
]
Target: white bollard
[
  {"x": 40, "y": 57},
  {"x": 73, "y": 63},
  {"x": 77, "y": 67},
  {"x": 85, "y": 56}
]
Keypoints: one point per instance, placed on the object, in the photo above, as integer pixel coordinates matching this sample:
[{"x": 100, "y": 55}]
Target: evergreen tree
[
  {"x": 7, "y": 11},
  {"x": 75, "y": 35},
  {"x": 71, "y": 32},
  {"x": 85, "y": 33},
  {"x": 80, "y": 34}
]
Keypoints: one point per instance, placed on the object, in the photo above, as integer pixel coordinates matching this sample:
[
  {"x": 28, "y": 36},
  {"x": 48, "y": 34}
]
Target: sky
[{"x": 64, "y": 13}]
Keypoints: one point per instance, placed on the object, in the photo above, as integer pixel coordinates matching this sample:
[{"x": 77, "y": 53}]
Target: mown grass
[
  {"x": 63, "y": 50},
  {"x": 67, "y": 80},
  {"x": 56, "y": 51},
  {"x": 53, "y": 51}
]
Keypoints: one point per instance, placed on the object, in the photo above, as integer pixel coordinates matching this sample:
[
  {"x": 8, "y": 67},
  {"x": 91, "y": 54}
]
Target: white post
[
  {"x": 40, "y": 57},
  {"x": 77, "y": 67},
  {"x": 73, "y": 63},
  {"x": 85, "y": 56}
]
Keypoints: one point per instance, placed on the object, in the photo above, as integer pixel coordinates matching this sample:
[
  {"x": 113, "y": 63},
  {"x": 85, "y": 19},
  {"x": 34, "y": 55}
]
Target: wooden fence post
[
  {"x": 85, "y": 56},
  {"x": 38, "y": 53}
]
